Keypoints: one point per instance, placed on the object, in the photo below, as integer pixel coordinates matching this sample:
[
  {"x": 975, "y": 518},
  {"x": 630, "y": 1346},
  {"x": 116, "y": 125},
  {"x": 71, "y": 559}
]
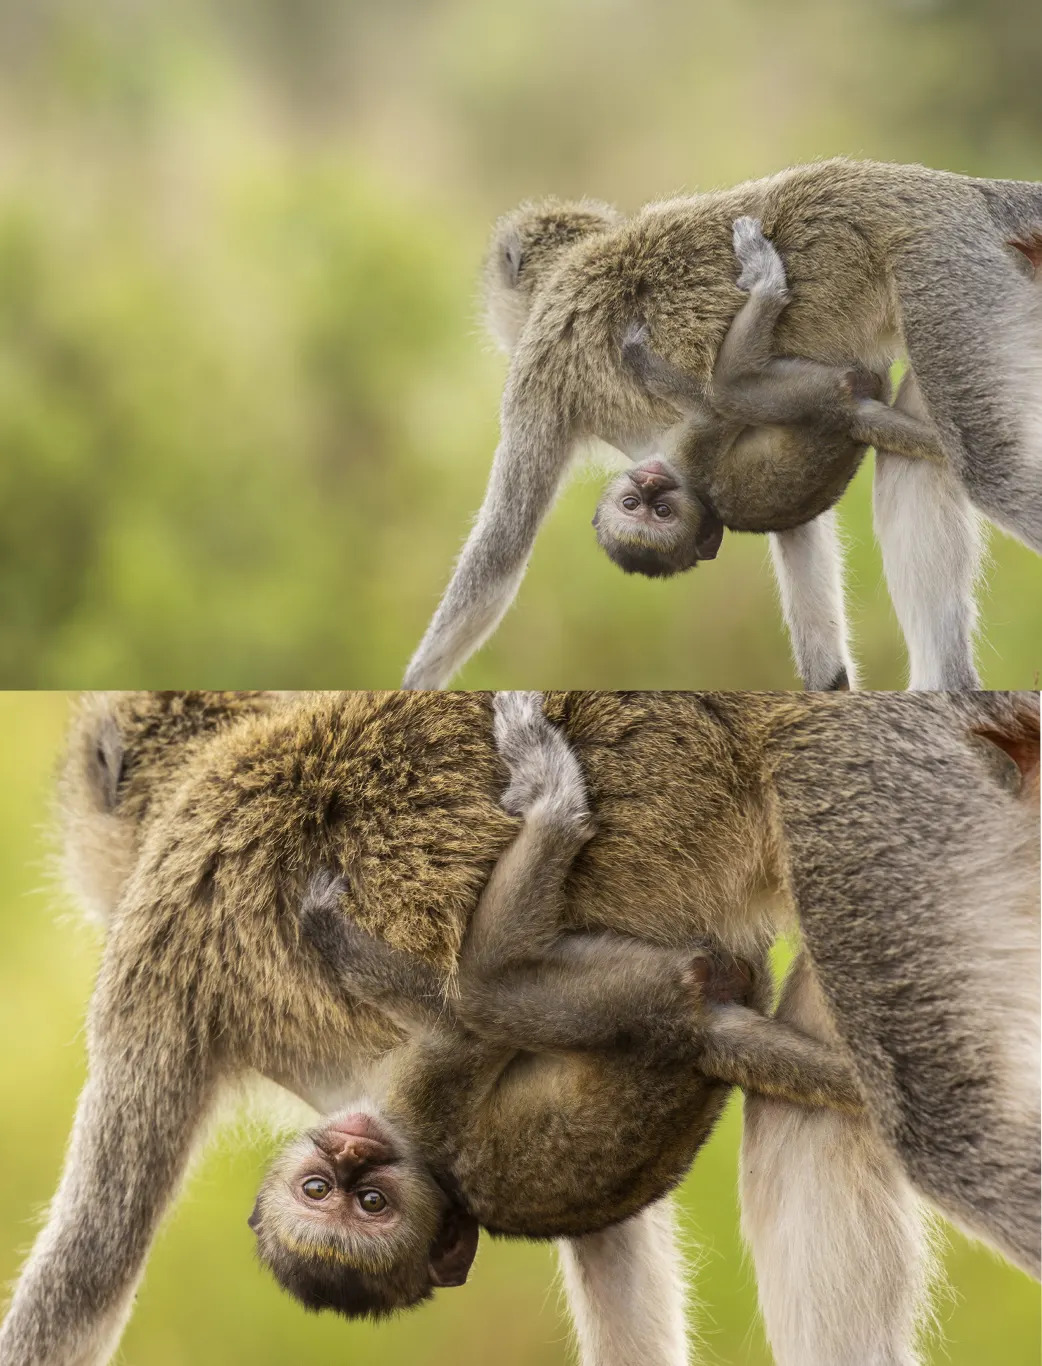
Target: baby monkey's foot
[
  {"x": 719, "y": 979},
  {"x": 544, "y": 772},
  {"x": 859, "y": 383},
  {"x": 762, "y": 267}
]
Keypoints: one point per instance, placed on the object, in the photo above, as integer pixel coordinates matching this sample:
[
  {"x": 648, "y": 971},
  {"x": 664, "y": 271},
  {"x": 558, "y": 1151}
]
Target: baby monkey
[
  {"x": 773, "y": 443},
  {"x": 569, "y": 1083}
]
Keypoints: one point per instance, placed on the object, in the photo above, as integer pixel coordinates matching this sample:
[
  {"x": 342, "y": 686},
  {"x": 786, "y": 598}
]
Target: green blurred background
[
  {"x": 246, "y": 409},
  {"x": 205, "y": 1301}
]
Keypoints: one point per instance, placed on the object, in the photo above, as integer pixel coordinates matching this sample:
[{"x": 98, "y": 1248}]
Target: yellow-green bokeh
[
  {"x": 246, "y": 410},
  {"x": 205, "y": 1301}
]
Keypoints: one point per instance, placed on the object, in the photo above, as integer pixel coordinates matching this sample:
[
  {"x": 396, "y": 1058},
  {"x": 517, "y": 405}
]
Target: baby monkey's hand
[
  {"x": 545, "y": 776},
  {"x": 762, "y": 267},
  {"x": 323, "y": 920}
]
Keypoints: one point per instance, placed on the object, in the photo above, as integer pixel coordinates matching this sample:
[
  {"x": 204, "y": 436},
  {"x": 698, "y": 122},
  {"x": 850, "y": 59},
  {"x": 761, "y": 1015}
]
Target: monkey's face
[
  {"x": 648, "y": 523},
  {"x": 347, "y": 1219}
]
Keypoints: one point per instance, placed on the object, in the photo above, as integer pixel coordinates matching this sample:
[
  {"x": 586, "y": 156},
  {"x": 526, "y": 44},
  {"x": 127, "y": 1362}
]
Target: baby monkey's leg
[
  {"x": 523, "y": 982},
  {"x": 749, "y": 384},
  {"x": 746, "y": 349},
  {"x": 770, "y": 1058},
  {"x": 894, "y": 431}
]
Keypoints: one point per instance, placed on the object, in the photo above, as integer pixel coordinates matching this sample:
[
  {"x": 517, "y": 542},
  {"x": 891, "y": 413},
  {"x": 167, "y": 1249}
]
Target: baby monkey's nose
[{"x": 653, "y": 475}]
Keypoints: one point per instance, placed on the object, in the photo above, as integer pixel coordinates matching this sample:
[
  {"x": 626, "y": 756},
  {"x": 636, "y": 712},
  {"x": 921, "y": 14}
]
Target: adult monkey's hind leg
[
  {"x": 910, "y": 824},
  {"x": 972, "y": 320},
  {"x": 842, "y": 1257},
  {"x": 808, "y": 565},
  {"x": 931, "y": 546}
]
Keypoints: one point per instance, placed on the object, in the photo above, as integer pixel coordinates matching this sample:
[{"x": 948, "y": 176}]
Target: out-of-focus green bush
[
  {"x": 205, "y": 1301},
  {"x": 246, "y": 413}
]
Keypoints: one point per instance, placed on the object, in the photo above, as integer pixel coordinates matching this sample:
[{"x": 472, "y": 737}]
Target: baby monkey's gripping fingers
[
  {"x": 545, "y": 776},
  {"x": 323, "y": 923},
  {"x": 762, "y": 267},
  {"x": 369, "y": 968}
]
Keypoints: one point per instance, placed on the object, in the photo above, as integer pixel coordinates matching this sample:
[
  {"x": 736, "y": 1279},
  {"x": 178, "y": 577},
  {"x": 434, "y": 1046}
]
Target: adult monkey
[
  {"x": 758, "y": 804},
  {"x": 878, "y": 256}
]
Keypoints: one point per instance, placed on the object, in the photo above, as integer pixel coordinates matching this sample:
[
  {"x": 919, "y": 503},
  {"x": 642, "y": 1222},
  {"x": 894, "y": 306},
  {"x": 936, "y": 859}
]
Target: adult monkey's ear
[
  {"x": 453, "y": 1251},
  {"x": 513, "y": 255},
  {"x": 106, "y": 763}
]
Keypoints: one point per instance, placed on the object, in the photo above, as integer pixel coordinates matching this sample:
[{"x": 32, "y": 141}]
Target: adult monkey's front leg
[
  {"x": 528, "y": 466},
  {"x": 625, "y": 1290}
]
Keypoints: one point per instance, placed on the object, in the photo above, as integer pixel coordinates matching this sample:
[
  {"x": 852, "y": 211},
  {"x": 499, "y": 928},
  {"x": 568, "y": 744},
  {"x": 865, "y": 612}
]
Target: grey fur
[{"x": 879, "y": 256}]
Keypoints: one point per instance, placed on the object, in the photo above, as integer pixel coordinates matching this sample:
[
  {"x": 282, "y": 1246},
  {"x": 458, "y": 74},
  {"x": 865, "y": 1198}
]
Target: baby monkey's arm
[
  {"x": 751, "y": 387},
  {"x": 526, "y": 985},
  {"x": 400, "y": 984}
]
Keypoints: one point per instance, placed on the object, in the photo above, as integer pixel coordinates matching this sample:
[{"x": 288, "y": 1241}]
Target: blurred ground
[
  {"x": 205, "y": 1301},
  {"x": 246, "y": 413}
]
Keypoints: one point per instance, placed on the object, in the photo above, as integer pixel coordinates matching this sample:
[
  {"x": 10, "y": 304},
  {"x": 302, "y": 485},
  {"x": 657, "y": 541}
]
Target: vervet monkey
[
  {"x": 771, "y": 445},
  {"x": 879, "y": 258},
  {"x": 566, "y": 1086},
  {"x": 899, "y": 832}
]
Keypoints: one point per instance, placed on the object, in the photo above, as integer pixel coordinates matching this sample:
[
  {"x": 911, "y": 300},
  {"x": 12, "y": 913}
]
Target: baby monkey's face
[
  {"x": 348, "y": 1219},
  {"x": 649, "y": 523}
]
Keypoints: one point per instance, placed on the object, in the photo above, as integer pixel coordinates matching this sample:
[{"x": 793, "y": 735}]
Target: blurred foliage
[
  {"x": 246, "y": 415},
  {"x": 205, "y": 1301}
]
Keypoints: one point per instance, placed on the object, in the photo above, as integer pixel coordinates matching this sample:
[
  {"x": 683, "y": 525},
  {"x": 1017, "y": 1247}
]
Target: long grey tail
[{"x": 1015, "y": 206}]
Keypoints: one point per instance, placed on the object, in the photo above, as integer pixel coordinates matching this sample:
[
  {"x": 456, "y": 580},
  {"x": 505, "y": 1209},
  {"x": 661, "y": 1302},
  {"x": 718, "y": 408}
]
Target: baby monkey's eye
[
  {"x": 371, "y": 1201},
  {"x": 631, "y": 502},
  {"x": 316, "y": 1188},
  {"x": 663, "y": 510}
]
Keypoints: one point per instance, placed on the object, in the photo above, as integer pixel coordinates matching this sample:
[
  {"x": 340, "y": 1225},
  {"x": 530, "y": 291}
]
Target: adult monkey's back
[
  {"x": 876, "y": 255},
  {"x": 709, "y": 809}
]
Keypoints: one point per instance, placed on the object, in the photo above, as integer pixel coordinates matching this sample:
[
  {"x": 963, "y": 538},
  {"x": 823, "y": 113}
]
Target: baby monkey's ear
[{"x": 453, "y": 1251}]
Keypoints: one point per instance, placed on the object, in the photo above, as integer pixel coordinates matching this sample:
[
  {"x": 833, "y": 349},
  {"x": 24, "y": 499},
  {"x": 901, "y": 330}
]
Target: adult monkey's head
[
  {"x": 647, "y": 522},
  {"x": 526, "y": 246},
  {"x": 126, "y": 752}
]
